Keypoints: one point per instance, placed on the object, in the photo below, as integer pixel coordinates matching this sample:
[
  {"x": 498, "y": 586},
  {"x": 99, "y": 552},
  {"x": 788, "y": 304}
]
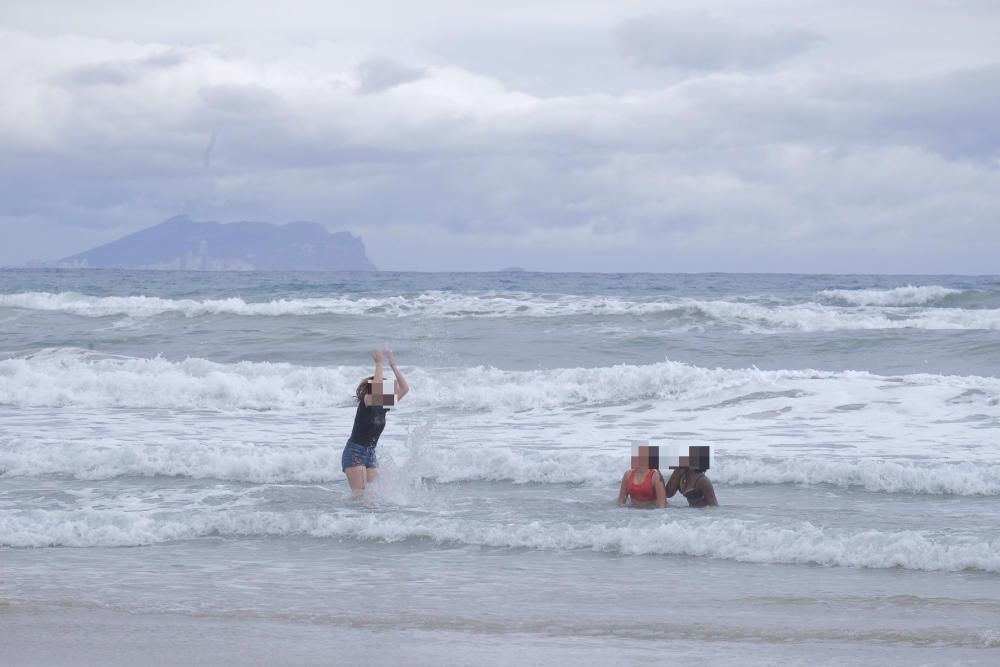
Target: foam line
[
  {"x": 707, "y": 536},
  {"x": 680, "y": 313},
  {"x": 72, "y": 377}
]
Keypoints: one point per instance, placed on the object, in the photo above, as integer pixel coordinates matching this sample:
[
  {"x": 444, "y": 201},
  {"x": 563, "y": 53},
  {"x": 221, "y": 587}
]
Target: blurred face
[
  {"x": 640, "y": 456},
  {"x": 382, "y": 392},
  {"x": 698, "y": 457},
  {"x": 646, "y": 456}
]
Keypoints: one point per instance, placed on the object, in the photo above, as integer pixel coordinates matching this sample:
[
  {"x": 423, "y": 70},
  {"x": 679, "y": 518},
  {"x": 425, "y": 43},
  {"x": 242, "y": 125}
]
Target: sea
[{"x": 170, "y": 445}]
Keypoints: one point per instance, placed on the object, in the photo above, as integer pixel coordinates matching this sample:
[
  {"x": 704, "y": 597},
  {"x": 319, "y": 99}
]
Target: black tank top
[{"x": 369, "y": 422}]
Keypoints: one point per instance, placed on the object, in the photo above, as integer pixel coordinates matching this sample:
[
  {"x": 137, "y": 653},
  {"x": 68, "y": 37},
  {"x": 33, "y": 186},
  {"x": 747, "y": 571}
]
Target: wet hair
[{"x": 364, "y": 388}]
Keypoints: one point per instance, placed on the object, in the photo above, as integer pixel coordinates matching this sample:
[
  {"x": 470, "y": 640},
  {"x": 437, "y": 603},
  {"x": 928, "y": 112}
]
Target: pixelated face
[
  {"x": 637, "y": 453},
  {"x": 699, "y": 456},
  {"x": 382, "y": 392},
  {"x": 645, "y": 454}
]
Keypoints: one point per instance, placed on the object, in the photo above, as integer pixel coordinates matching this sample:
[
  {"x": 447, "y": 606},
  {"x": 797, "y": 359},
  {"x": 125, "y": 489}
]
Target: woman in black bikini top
[{"x": 689, "y": 478}]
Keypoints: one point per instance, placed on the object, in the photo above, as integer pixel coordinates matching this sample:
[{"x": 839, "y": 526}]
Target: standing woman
[{"x": 358, "y": 461}]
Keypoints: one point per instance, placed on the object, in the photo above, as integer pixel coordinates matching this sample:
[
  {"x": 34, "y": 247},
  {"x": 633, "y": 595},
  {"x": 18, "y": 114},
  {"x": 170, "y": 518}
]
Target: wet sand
[{"x": 78, "y": 636}]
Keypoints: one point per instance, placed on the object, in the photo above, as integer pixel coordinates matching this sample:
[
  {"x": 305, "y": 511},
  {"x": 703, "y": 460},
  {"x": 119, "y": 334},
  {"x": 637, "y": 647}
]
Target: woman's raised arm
[
  {"x": 401, "y": 388},
  {"x": 377, "y": 356},
  {"x": 673, "y": 483}
]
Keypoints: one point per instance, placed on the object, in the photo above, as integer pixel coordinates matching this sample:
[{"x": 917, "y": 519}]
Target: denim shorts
[{"x": 358, "y": 455}]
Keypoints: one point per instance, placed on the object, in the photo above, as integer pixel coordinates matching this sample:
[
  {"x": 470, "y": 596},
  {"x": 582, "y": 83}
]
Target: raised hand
[
  {"x": 377, "y": 356},
  {"x": 401, "y": 387}
]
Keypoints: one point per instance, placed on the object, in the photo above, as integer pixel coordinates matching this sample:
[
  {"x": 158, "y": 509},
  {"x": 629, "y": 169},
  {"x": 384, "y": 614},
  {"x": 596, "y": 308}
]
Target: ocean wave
[
  {"x": 600, "y": 469},
  {"x": 815, "y": 317},
  {"x": 908, "y": 295},
  {"x": 427, "y": 304},
  {"x": 68, "y": 377},
  {"x": 72, "y": 377},
  {"x": 681, "y": 313},
  {"x": 603, "y": 469},
  {"x": 704, "y": 536},
  {"x": 410, "y": 462},
  {"x": 234, "y": 462},
  {"x": 877, "y": 475}
]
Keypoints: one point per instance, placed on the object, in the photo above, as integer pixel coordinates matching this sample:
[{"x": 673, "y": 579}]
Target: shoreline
[{"x": 47, "y": 634}]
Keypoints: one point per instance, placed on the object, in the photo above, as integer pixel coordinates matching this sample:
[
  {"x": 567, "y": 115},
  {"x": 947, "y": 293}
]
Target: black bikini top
[{"x": 695, "y": 497}]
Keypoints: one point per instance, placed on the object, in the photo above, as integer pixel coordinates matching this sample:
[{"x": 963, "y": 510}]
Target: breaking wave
[
  {"x": 706, "y": 536},
  {"x": 909, "y": 295},
  {"x": 73, "y": 377},
  {"x": 751, "y": 316}
]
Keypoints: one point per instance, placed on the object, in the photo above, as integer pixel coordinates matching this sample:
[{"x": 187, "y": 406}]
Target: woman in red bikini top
[{"x": 643, "y": 484}]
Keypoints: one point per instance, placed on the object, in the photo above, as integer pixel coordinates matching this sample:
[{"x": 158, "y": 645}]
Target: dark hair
[{"x": 364, "y": 388}]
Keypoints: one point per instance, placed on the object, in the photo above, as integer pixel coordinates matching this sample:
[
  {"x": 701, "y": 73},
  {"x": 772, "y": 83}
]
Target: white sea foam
[
  {"x": 147, "y": 306},
  {"x": 707, "y": 536},
  {"x": 683, "y": 313},
  {"x": 70, "y": 377},
  {"x": 75, "y": 378},
  {"x": 592, "y": 468},
  {"x": 813, "y": 317},
  {"x": 428, "y": 304},
  {"x": 60, "y": 378},
  {"x": 909, "y": 295},
  {"x": 249, "y": 462},
  {"x": 237, "y": 462},
  {"x": 923, "y": 477}
]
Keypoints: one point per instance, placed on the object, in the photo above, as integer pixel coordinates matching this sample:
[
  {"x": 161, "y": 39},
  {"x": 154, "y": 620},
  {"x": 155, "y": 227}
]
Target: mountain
[{"x": 182, "y": 243}]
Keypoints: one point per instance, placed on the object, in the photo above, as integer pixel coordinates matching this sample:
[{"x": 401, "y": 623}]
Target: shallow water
[{"x": 172, "y": 442}]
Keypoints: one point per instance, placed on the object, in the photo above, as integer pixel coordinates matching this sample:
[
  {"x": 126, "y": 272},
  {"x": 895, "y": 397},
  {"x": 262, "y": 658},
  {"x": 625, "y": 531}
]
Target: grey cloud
[
  {"x": 380, "y": 74},
  {"x": 238, "y": 99},
  {"x": 954, "y": 114},
  {"x": 164, "y": 60},
  {"x": 120, "y": 72},
  {"x": 102, "y": 74},
  {"x": 701, "y": 43},
  {"x": 680, "y": 171}
]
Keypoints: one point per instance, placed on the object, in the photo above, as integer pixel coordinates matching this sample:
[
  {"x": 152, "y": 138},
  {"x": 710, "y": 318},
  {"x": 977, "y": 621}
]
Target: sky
[{"x": 577, "y": 135}]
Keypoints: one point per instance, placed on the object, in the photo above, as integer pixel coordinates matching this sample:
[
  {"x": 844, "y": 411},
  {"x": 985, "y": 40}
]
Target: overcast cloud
[{"x": 687, "y": 136}]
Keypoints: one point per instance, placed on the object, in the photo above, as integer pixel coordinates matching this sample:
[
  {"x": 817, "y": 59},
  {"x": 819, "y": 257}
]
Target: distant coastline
[{"x": 181, "y": 243}]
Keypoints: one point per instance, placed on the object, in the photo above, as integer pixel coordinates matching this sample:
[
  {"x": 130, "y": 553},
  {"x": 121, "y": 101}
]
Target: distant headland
[{"x": 184, "y": 244}]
